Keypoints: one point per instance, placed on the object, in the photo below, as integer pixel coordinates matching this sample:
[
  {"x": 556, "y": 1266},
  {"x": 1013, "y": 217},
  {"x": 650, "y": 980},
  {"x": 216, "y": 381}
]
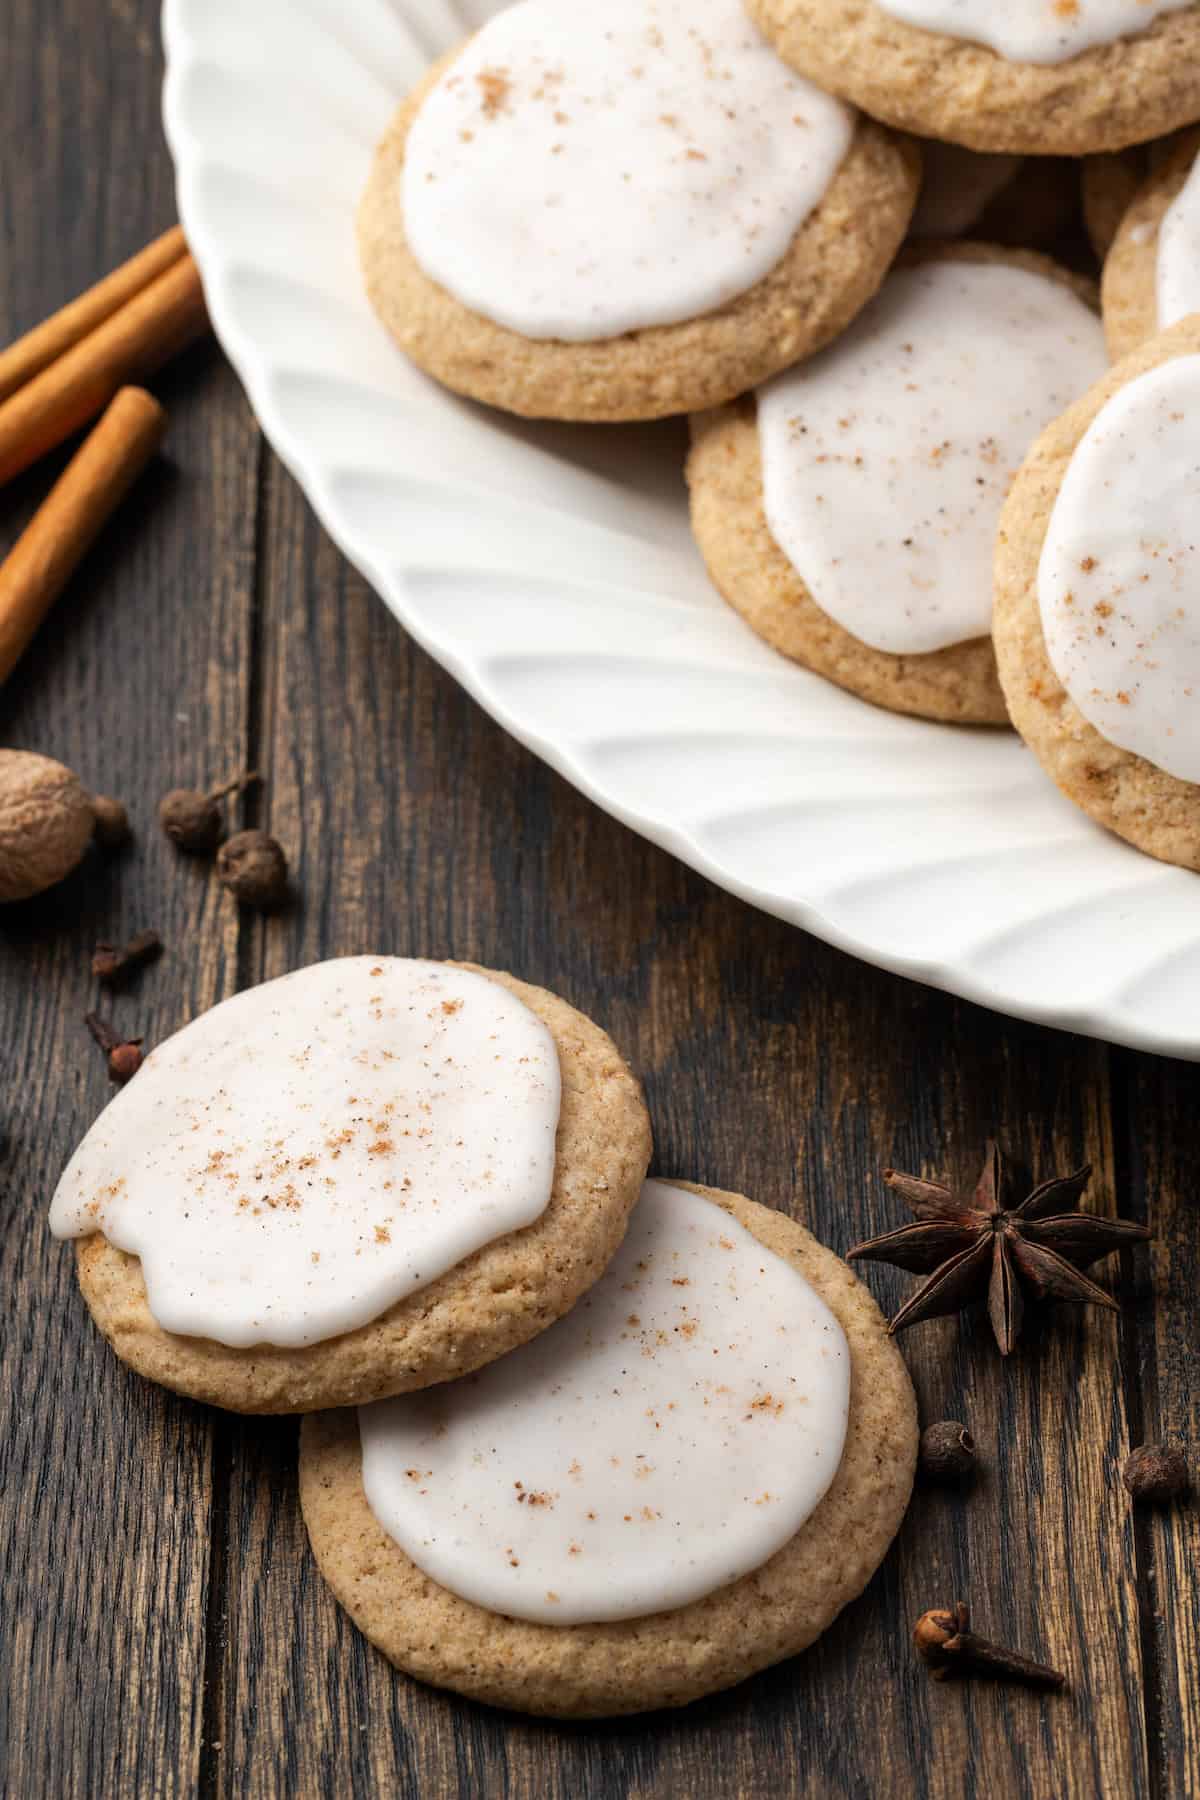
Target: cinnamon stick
[
  {"x": 30, "y": 354},
  {"x": 129, "y": 345},
  {"x": 95, "y": 480}
]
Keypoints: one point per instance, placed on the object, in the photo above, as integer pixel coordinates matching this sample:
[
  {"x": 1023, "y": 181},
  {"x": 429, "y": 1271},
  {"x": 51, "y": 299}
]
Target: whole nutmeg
[
  {"x": 46, "y": 823},
  {"x": 254, "y": 869},
  {"x": 112, "y": 822},
  {"x": 1155, "y": 1474},
  {"x": 947, "y": 1453},
  {"x": 191, "y": 820}
]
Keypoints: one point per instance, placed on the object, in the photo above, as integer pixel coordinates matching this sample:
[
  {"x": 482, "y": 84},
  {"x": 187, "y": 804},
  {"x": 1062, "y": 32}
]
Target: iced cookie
[
  {"x": 1097, "y": 620},
  {"x": 848, "y": 510},
  {"x": 1044, "y": 77},
  {"x": 624, "y": 211},
  {"x": 683, "y": 1481},
  {"x": 1026, "y": 202},
  {"x": 1152, "y": 273},
  {"x": 356, "y": 1180}
]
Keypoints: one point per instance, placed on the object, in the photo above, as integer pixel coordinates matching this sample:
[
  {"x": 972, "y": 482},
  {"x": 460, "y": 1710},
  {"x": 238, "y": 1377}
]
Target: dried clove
[
  {"x": 124, "y": 1054},
  {"x": 114, "y": 963},
  {"x": 945, "y": 1642}
]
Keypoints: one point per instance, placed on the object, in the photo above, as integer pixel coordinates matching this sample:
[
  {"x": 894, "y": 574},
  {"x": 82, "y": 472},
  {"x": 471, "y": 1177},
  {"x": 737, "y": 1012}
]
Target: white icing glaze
[
  {"x": 1119, "y": 577},
  {"x": 1033, "y": 31},
  {"x": 1178, "y": 263},
  {"x": 664, "y": 1438},
  {"x": 886, "y": 459},
  {"x": 583, "y": 172},
  {"x": 957, "y": 186},
  {"x": 295, "y": 1161}
]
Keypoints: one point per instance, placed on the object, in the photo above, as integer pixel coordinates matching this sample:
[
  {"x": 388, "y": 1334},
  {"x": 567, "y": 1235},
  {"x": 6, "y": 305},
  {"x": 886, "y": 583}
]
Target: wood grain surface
[{"x": 163, "y": 1629}]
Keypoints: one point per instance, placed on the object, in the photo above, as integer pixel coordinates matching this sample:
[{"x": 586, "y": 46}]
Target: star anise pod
[{"x": 972, "y": 1245}]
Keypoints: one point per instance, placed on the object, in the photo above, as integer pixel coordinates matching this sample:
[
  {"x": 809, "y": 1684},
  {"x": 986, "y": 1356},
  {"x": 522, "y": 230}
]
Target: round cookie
[
  {"x": 1122, "y": 790},
  {"x": 832, "y": 266},
  {"x": 659, "y": 1659},
  {"x": 1108, "y": 96},
  {"x": 485, "y": 1304},
  {"x": 956, "y": 683},
  {"x": 1129, "y": 290}
]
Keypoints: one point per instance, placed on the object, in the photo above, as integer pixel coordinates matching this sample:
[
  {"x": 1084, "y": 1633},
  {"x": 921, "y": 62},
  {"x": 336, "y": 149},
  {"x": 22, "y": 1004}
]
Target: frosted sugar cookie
[
  {"x": 848, "y": 511},
  {"x": 1152, "y": 273},
  {"x": 1059, "y": 79},
  {"x": 681, "y": 1482},
  {"x": 1097, "y": 620},
  {"x": 355, "y": 1180},
  {"x": 1028, "y": 202},
  {"x": 625, "y": 211}
]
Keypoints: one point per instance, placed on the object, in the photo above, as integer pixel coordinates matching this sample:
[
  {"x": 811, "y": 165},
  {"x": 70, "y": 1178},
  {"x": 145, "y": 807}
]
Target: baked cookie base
[
  {"x": 1139, "y": 801},
  {"x": 664, "y": 1659},
  {"x": 836, "y": 261},
  {"x": 497, "y": 1298},
  {"x": 958, "y": 685},
  {"x": 945, "y": 87},
  {"x": 1129, "y": 287}
]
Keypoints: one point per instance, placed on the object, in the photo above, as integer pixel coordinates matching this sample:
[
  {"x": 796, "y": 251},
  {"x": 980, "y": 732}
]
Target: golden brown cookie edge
[
  {"x": 665, "y": 1659},
  {"x": 1120, "y": 790},
  {"x": 926, "y": 82},
  {"x": 496, "y": 1299},
  {"x": 836, "y": 262},
  {"x": 956, "y": 685},
  {"x": 1129, "y": 283}
]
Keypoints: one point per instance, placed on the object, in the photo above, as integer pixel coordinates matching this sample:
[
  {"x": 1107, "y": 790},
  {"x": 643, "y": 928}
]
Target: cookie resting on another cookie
[
  {"x": 1096, "y": 624},
  {"x": 682, "y": 1482},
  {"x": 1022, "y": 76},
  {"x": 353, "y": 1181},
  {"x": 1152, "y": 272},
  {"x": 569, "y": 219},
  {"x": 849, "y": 511}
]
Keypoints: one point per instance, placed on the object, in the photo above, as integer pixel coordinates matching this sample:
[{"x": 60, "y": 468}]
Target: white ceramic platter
[{"x": 552, "y": 571}]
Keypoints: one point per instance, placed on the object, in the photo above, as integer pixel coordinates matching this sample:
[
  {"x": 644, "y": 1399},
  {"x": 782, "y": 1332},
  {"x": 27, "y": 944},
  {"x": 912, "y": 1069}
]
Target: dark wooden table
[{"x": 163, "y": 1629}]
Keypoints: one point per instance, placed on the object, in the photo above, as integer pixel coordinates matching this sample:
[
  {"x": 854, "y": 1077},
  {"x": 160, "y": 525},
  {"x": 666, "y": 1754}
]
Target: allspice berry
[
  {"x": 191, "y": 820},
  {"x": 46, "y": 822},
  {"x": 947, "y": 1453},
  {"x": 1155, "y": 1474},
  {"x": 254, "y": 869},
  {"x": 112, "y": 828},
  {"x": 194, "y": 821}
]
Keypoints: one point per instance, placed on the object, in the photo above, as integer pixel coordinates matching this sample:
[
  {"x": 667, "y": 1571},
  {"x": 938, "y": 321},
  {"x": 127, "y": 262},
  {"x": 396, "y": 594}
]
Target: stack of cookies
[
  {"x": 576, "y": 1443},
  {"x": 911, "y": 470}
]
